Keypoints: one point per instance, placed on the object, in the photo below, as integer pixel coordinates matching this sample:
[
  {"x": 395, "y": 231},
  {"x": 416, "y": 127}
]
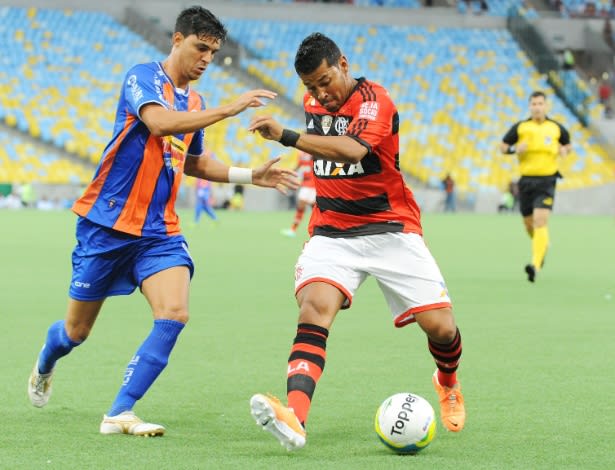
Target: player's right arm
[
  {"x": 145, "y": 97},
  {"x": 162, "y": 121}
]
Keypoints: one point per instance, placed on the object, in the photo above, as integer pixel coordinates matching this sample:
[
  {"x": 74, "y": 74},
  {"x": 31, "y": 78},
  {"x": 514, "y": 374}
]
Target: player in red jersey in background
[
  {"x": 128, "y": 231},
  {"x": 306, "y": 195},
  {"x": 365, "y": 222}
]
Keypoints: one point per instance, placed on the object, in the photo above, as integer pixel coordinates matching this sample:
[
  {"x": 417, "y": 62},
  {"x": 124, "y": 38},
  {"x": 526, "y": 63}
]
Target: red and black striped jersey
[{"x": 370, "y": 196}]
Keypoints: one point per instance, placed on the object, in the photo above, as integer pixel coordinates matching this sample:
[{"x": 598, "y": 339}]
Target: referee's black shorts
[{"x": 536, "y": 192}]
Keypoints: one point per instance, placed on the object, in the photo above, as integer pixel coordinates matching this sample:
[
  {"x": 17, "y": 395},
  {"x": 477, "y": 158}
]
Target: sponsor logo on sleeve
[
  {"x": 368, "y": 110},
  {"x": 135, "y": 89},
  {"x": 158, "y": 88}
]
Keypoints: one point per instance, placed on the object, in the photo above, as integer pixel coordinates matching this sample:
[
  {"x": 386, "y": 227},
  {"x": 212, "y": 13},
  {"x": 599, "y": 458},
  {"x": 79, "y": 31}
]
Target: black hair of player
[
  {"x": 200, "y": 22},
  {"x": 313, "y": 50}
]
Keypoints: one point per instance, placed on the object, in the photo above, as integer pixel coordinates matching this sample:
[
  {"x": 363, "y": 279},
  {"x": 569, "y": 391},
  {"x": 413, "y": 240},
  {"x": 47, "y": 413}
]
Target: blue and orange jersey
[{"x": 136, "y": 183}]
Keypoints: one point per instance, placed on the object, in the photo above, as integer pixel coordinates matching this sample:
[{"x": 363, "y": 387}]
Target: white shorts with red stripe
[{"x": 401, "y": 263}]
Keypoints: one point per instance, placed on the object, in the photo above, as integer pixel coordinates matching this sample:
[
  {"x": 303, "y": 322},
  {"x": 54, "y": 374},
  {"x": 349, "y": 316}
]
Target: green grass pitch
[{"x": 537, "y": 371}]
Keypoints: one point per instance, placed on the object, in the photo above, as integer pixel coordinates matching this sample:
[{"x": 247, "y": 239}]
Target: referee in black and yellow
[{"x": 538, "y": 142}]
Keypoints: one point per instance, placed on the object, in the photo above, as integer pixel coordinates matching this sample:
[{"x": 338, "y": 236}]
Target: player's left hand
[
  {"x": 267, "y": 127},
  {"x": 269, "y": 176}
]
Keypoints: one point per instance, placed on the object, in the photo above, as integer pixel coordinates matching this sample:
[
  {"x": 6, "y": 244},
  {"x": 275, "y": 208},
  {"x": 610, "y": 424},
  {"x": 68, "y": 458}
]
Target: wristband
[
  {"x": 239, "y": 175},
  {"x": 511, "y": 149},
  {"x": 289, "y": 138}
]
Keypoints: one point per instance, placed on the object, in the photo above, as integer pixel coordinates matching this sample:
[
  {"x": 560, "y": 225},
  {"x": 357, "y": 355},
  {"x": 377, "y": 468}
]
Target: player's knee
[
  {"x": 439, "y": 325},
  {"x": 316, "y": 312},
  {"x": 77, "y": 332},
  {"x": 176, "y": 313}
]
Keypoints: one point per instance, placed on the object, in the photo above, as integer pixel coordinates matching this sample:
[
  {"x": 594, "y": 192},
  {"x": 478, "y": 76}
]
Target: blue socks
[
  {"x": 57, "y": 345},
  {"x": 146, "y": 365}
]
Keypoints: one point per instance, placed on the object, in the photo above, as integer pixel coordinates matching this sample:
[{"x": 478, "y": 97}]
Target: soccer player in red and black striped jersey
[
  {"x": 365, "y": 222},
  {"x": 128, "y": 233},
  {"x": 306, "y": 195}
]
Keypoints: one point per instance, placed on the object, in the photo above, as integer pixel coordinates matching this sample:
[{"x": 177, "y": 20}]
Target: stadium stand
[
  {"x": 68, "y": 67},
  {"x": 22, "y": 161},
  {"x": 457, "y": 90},
  {"x": 585, "y": 8}
]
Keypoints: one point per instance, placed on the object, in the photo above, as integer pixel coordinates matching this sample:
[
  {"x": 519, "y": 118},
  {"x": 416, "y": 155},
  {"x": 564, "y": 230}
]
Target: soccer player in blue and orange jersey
[
  {"x": 128, "y": 233},
  {"x": 365, "y": 222},
  {"x": 204, "y": 201},
  {"x": 538, "y": 142}
]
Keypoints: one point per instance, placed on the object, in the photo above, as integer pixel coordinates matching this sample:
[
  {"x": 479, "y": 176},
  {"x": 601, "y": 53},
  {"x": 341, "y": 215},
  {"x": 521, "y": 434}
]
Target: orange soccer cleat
[
  {"x": 452, "y": 409},
  {"x": 279, "y": 420}
]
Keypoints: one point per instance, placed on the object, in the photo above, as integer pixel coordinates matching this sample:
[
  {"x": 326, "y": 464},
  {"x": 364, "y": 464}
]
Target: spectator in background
[
  {"x": 590, "y": 9},
  {"x": 526, "y": 9},
  {"x": 561, "y": 7},
  {"x": 568, "y": 59},
  {"x": 604, "y": 91},
  {"x": 45, "y": 204},
  {"x": 448, "y": 184},
  {"x": 13, "y": 201},
  {"x": 236, "y": 202},
  {"x": 607, "y": 33},
  {"x": 604, "y": 94},
  {"x": 506, "y": 202},
  {"x": 464, "y": 6},
  {"x": 510, "y": 198},
  {"x": 27, "y": 194}
]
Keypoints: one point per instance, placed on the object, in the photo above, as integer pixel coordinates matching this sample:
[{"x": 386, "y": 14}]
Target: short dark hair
[
  {"x": 201, "y": 22},
  {"x": 313, "y": 50},
  {"x": 538, "y": 93}
]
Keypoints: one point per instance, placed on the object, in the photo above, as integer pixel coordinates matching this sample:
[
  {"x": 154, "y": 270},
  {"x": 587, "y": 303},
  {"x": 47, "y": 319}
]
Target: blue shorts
[{"x": 107, "y": 262}]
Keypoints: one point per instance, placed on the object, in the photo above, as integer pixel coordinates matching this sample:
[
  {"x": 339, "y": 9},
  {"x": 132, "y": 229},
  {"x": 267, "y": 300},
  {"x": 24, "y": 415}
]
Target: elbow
[
  {"x": 158, "y": 127},
  {"x": 157, "y": 130},
  {"x": 357, "y": 154}
]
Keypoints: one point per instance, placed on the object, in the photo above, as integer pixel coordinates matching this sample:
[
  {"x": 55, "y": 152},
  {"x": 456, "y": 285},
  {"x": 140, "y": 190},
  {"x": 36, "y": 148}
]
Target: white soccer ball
[{"x": 405, "y": 423}]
